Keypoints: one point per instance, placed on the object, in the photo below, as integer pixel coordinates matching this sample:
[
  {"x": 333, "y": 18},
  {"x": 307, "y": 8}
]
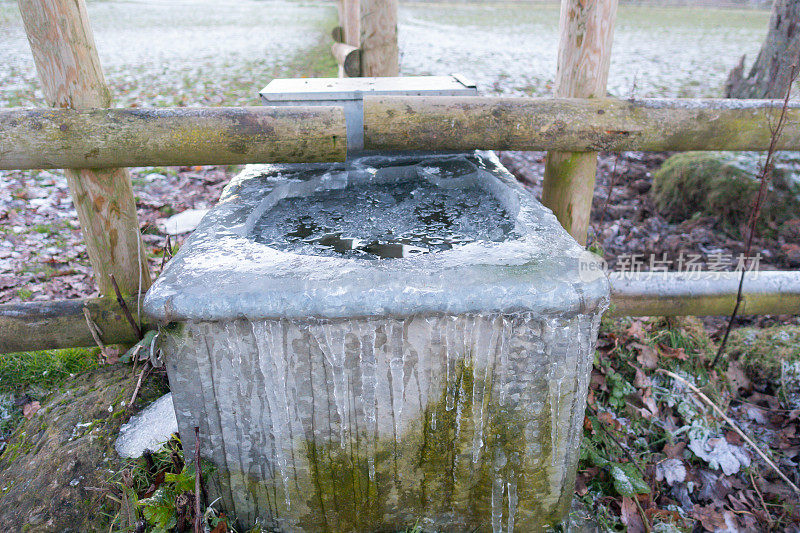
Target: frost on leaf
[
  {"x": 627, "y": 480},
  {"x": 671, "y": 470},
  {"x": 719, "y": 454}
]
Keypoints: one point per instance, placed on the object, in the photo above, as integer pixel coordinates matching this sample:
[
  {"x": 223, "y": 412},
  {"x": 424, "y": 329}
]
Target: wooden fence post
[
  {"x": 66, "y": 59},
  {"x": 371, "y": 26},
  {"x": 378, "y": 30},
  {"x": 584, "y": 54}
]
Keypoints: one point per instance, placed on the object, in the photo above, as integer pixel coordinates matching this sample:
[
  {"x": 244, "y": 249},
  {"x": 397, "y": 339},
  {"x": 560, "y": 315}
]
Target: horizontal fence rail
[
  {"x": 704, "y": 293},
  {"x": 574, "y": 125},
  {"x": 35, "y": 326},
  {"x": 97, "y": 138},
  {"x": 62, "y": 324}
]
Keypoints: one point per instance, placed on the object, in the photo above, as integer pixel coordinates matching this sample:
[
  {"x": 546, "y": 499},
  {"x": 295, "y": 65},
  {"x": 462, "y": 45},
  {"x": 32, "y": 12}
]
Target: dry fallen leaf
[
  {"x": 110, "y": 355},
  {"x": 737, "y": 378},
  {"x": 30, "y": 409},
  {"x": 672, "y": 353},
  {"x": 641, "y": 381},
  {"x": 674, "y": 451},
  {"x": 709, "y": 516},
  {"x": 647, "y": 357},
  {"x": 629, "y": 514},
  {"x": 636, "y": 331}
]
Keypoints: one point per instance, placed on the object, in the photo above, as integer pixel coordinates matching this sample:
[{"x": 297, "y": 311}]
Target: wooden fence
[
  {"x": 94, "y": 141},
  {"x": 58, "y": 138}
]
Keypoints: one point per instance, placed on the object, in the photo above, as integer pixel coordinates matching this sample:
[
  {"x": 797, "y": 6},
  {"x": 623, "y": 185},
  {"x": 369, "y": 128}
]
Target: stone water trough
[{"x": 388, "y": 342}]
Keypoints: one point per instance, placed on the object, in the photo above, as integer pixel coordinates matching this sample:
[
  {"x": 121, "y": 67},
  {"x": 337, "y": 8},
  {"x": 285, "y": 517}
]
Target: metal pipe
[
  {"x": 704, "y": 293},
  {"x": 61, "y": 323}
]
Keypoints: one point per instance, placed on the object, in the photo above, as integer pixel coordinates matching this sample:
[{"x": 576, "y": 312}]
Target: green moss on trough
[{"x": 429, "y": 473}]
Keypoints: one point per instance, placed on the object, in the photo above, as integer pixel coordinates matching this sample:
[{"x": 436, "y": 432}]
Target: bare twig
[
  {"x": 125, "y": 310},
  {"x": 141, "y": 266},
  {"x": 642, "y": 514},
  {"x": 761, "y": 499},
  {"x": 147, "y": 367},
  {"x": 167, "y": 250},
  {"x": 764, "y": 178},
  {"x": 93, "y": 329},
  {"x": 197, "y": 492},
  {"x": 731, "y": 423}
]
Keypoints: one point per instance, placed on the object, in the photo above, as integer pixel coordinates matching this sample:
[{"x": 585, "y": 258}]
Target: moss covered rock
[
  {"x": 762, "y": 351},
  {"x": 724, "y": 185},
  {"x": 57, "y": 464}
]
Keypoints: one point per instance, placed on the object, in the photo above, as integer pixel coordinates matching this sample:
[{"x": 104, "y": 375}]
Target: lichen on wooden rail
[
  {"x": 574, "y": 125},
  {"x": 97, "y": 138},
  {"x": 62, "y": 324}
]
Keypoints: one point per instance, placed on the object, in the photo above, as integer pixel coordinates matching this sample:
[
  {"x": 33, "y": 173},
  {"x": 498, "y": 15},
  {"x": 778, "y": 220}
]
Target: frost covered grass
[
  {"x": 222, "y": 53},
  {"x": 653, "y": 452},
  {"x": 178, "y": 53},
  {"x": 511, "y": 49}
]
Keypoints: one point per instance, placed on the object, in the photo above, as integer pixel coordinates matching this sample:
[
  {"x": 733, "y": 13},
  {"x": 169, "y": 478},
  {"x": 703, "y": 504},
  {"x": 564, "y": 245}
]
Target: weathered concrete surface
[
  {"x": 54, "y": 458},
  {"x": 465, "y": 423}
]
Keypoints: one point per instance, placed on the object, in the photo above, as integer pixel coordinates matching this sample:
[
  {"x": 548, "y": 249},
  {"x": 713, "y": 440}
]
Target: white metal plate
[{"x": 294, "y": 89}]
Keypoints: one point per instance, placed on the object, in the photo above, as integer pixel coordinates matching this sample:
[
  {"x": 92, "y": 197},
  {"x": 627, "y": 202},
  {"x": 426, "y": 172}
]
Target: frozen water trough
[{"x": 389, "y": 341}]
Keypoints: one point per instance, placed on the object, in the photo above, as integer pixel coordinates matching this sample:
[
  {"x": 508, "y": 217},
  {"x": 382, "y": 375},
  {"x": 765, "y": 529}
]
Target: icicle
[
  {"x": 396, "y": 370},
  {"x": 479, "y": 386},
  {"x": 369, "y": 385},
  {"x": 268, "y": 337},
  {"x": 497, "y": 490},
  {"x": 506, "y": 331},
  {"x": 512, "y": 502},
  {"x": 450, "y": 358},
  {"x": 331, "y": 342}
]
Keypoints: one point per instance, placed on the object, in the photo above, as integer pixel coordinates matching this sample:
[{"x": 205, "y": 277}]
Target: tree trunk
[
  {"x": 770, "y": 74},
  {"x": 584, "y": 54},
  {"x": 66, "y": 59}
]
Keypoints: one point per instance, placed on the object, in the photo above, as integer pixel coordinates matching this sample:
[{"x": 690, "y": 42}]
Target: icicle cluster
[{"x": 357, "y": 424}]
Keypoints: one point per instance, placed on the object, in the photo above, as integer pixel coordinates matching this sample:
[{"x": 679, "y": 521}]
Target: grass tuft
[{"x": 45, "y": 369}]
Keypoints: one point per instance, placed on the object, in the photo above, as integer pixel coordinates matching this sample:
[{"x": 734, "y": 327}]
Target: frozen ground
[
  {"x": 172, "y": 52},
  {"x": 175, "y": 52},
  {"x": 667, "y": 52}
]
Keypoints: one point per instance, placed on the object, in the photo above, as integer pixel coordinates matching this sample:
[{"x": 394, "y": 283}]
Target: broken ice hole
[{"x": 422, "y": 209}]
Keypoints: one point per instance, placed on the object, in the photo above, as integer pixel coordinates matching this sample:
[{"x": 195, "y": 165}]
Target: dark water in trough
[{"x": 386, "y": 220}]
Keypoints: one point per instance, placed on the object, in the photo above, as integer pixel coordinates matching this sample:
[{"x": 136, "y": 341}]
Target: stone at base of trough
[
  {"x": 65, "y": 448},
  {"x": 148, "y": 430}
]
